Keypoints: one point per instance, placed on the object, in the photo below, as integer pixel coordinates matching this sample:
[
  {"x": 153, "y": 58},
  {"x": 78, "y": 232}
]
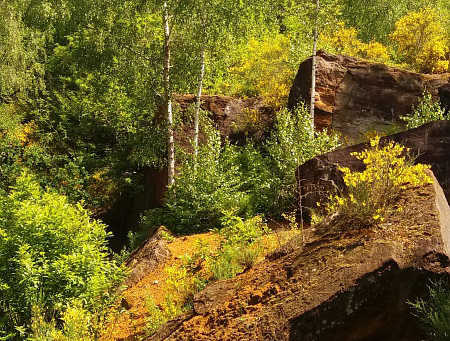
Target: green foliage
[
  {"x": 241, "y": 247},
  {"x": 204, "y": 188},
  {"x": 434, "y": 312},
  {"x": 77, "y": 325},
  {"x": 51, "y": 253},
  {"x": 375, "y": 19},
  {"x": 371, "y": 195},
  {"x": 292, "y": 143},
  {"x": 426, "y": 111},
  {"x": 263, "y": 71},
  {"x": 156, "y": 317},
  {"x": 253, "y": 180}
]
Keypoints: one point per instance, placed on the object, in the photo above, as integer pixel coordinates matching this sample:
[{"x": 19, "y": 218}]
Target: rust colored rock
[
  {"x": 346, "y": 285},
  {"x": 430, "y": 142},
  {"x": 232, "y": 116},
  {"x": 354, "y": 96},
  {"x": 148, "y": 256}
]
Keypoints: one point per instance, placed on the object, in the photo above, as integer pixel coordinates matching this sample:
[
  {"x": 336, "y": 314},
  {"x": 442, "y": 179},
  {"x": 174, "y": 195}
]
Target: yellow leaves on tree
[
  {"x": 344, "y": 40},
  {"x": 422, "y": 40},
  {"x": 264, "y": 70}
]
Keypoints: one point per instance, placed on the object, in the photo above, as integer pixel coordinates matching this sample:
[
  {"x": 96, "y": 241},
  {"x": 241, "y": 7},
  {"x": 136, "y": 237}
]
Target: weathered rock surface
[
  {"x": 354, "y": 96},
  {"x": 148, "y": 256},
  {"x": 350, "y": 285},
  {"x": 430, "y": 142},
  {"x": 232, "y": 116}
]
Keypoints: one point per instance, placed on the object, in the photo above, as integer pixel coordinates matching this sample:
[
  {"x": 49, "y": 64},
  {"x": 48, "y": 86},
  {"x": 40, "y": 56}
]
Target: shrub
[
  {"x": 264, "y": 70},
  {"x": 241, "y": 247},
  {"x": 344, "y": 40},
  {"x": 203, "y": 188},
  {"x": 426, "y": 111},
  {"x": 292, "y": 143},
  {"x": 253, "y": 180},
  {"x": 371, "y": 195},
  {"x": 77, "y": 325},
  {"x": 435, "y": 312},
  {"x": 160, "y": 315},
  {"x": 51, "y": 253},
  {"x": 422, "y": 40}
]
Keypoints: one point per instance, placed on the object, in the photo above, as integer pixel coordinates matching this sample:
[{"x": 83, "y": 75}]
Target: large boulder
[
  {"x": 353, "y": 96},
  {"x": 430, "y": 143},
  {"x": 346, "y": 285}
]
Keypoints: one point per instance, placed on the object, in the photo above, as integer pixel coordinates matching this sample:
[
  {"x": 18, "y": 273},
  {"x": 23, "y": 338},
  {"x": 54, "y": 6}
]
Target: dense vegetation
[{"x": 82, "y": 87}]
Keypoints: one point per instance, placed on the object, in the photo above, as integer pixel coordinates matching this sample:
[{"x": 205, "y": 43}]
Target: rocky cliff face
[
  {"x": 354, "y": 96},
  {"x": 346, "y": 285}
]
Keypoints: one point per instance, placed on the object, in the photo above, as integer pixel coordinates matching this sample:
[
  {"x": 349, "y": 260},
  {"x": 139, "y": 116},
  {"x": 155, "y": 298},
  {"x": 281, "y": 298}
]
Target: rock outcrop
[
  {"x": 346, "y": 285},
  {"x": 148, "y": 256},
  {"x": 233, "y": 117},
  {"x": 354, "y": 96},
  {"x": 430, "y": 143}
]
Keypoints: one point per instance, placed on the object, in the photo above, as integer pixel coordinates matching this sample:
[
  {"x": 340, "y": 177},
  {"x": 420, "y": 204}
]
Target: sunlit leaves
[{"x": 422, "y": 40}]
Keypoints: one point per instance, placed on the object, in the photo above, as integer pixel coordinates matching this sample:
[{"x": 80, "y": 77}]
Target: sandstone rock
[
  {"x": 232, "y": 116},
  {"x": 347, "y": 285},
  {"x": 148, "y": 256},
  {"x": 354, "y": 96},
  {"x": 430, "y": 142}
]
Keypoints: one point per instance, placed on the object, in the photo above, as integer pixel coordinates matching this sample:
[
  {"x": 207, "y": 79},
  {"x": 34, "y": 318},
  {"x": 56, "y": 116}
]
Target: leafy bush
[
  {"x": 371, "y": 195},
  {"x": 263, "y": 71},
  {"x": 426, "y": 111},
  {"x": 422, "y": 40},
  {"x": 77, "y": 325},
  {"x": 292, "y": 143},
  {"x": 345, "y": 40},
  {"x": 241, "y": 247},
  {"x": 204, "y": 187},
  {"x": 51, "y": 253},
  {"x": 253, "y": 180},
  {"x": 435, "y": 312},
  {"x": 157, "y": 316}
]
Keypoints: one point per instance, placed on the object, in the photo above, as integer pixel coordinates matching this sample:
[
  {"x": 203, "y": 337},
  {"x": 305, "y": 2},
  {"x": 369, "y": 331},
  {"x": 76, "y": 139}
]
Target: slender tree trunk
[
  {"x": 199, "y": 95},
  {"x": 168, "y": 99},
  {"x": 313, "y": 69}
]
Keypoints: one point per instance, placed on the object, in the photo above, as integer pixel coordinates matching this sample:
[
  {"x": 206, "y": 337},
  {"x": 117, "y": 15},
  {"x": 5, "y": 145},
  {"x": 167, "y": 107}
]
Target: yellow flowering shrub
[
  {"x": 422, "y": 40},
  {"x": 372, "y": 194},
  {"x": 264, "y": 70},
  {"x": 344, "y": 40},
  {"x": 375, "y": 51}
]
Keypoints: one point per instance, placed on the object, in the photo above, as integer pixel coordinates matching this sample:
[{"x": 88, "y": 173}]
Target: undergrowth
[
  {"x": 434, "y": 312},
  {"x": 240, "y": 248}
]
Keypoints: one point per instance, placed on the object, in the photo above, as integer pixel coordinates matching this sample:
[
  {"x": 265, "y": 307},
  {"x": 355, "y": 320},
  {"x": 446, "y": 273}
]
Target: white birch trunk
[
  {"x": 313, "y": 69},
  {"x": 199, "y": 95},
  {"x": 168, "y": 99}
]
